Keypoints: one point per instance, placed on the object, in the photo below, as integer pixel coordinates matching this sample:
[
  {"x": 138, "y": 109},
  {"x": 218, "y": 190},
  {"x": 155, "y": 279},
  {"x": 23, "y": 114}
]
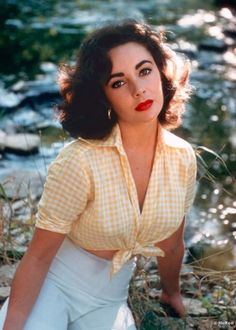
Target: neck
[{"x": 139, "y": 136}]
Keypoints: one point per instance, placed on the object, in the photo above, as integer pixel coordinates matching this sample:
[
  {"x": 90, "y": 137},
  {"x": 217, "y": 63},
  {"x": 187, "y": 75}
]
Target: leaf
[
  {"x": 3, "y": 192},
  {"x": 210, "y": 151},
  {"x": 202, "y": 160}
]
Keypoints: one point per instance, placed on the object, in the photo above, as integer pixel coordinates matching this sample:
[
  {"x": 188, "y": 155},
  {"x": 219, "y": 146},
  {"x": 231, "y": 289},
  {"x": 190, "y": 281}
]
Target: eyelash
[
  {"x": 117, "y": 84},
  {"x": 143, "y": 72}
]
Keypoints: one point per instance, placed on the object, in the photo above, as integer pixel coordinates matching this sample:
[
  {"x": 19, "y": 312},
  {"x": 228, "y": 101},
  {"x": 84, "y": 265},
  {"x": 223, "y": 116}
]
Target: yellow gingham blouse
[{"x": 90, "y": 195}]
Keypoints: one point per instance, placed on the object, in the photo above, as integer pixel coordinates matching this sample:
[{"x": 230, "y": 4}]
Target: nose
[{"x": 139, "y": 91}]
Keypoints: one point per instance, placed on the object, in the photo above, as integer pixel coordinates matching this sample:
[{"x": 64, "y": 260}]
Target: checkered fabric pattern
[{"x": 90, "y": 195}]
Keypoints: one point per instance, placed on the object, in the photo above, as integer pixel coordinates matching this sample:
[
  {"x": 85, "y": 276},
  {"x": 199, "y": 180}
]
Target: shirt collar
[{"x": 114, "y": 139}]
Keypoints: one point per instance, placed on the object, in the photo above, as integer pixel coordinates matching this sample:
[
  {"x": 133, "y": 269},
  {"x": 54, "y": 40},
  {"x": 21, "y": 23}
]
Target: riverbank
[
  {"x": 209, "y": 297},
  {"x": 35, "y": 40},
  {"x": 42, "y": 39}
]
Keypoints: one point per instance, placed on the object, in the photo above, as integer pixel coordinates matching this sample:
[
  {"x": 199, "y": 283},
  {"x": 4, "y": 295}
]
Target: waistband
[{"x": 74, "y": 268}]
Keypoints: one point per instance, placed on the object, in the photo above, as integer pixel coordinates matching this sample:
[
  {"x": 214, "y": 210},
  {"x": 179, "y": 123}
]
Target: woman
[{"x": 122, "y": 188}]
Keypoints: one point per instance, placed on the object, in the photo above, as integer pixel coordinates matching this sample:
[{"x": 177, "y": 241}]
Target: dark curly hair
[{"x": 83, "y": 112}]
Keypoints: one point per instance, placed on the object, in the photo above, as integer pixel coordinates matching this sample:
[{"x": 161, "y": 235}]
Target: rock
[
  {"x": 9, "y": 99},
  {"x": 230, "y": 58},
  {"x": 230, "y": 30},
  {"x": 151, "y": 264},
  {"x": 17, "y": 23},
  {"x": 154, "y": 293},
  {"x": 213, "y": 44},
  {"x": 26, "y": 118},
  {"x": 21, "y": 242},
  {"x": 194, "y": 307},
  {"x": 44, "y": 85},
  {"x": 18, "y": 205},
  {"x": 197, "y": 20},
  {"x": 231, "y": 74},
  {"x": 153, "y": 280},
  {"x": 139, "y": 284},
  {"x": 6, "y": 275},
  {"x": 24, "y": 216},
  {"x": 232, "y": 308},
  {"x": 207, "y": 58},
  {"x": 49, "y": 67},
  {"x": 7, "y": 272},
  {"x": 19, "y": 86},
  {"x": 6, "y": 211},
  {"x": 201, "y": 76},
  {"x": 187, "y": 48},
  {"x": 4, "y": 292},
  {"x": 2, "y": 140},
  {"x": 8, "y": 125},
  {"x": 22, "y": 184},
  {"x": 14, "y": 251},
  {"x": 30, "y": 93},
  {"x": 20, "y": 143}
]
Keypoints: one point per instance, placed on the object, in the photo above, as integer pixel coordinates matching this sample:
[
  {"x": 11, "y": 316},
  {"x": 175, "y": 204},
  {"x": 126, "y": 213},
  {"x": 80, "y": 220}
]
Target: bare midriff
[{"x": 105, "y": 254}]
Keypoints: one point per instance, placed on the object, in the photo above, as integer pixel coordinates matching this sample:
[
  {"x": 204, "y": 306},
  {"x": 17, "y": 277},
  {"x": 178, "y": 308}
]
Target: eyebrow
[{"x": 121, "y": 74}]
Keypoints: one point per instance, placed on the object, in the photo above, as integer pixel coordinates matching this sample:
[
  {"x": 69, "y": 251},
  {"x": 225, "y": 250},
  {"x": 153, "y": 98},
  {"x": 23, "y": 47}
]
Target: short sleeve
[
  {"x": 191, "y": 180},
  {"x": 65, "y": 195}
]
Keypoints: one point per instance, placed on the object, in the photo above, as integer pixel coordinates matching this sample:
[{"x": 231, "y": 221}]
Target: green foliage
[
  {"x": 25, "y": 43},
  {"x": 2, "y": 192},
  {"x": 152, "y": 321},
  {"x": 212, "y": 309},
  {"x": 206, "y": 158}
]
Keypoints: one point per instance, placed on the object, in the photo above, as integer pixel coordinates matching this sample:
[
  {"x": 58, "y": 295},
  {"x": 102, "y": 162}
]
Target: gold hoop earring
[{"x": 109, "y": 113}]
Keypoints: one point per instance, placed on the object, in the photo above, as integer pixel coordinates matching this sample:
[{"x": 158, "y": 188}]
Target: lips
[{"x": 144, "y": 105}]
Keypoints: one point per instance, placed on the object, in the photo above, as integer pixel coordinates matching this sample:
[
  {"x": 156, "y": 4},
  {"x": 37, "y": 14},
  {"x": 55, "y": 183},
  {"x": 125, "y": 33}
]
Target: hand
[{"x": 174, "y": 301}]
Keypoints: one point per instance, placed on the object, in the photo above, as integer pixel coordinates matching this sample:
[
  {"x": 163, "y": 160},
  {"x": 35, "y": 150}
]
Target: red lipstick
[{"x": 143, "y": 106}]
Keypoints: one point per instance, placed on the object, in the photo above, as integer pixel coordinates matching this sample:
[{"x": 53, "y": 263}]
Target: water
[{"x": 39, "y": 35}]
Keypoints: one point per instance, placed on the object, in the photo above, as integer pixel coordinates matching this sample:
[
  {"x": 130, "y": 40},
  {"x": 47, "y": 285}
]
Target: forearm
[
  {"x": 169, "y": 269},
  {"x": 24, "y": 291}
]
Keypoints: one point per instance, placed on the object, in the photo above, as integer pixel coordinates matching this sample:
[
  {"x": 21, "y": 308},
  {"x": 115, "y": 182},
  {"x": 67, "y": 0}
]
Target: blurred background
[{"x": 37, "y": 36}]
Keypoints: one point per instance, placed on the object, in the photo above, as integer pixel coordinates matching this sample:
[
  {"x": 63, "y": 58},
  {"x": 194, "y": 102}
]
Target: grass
[
  {"x": 215, "y": 290},
  {"x": 14, "y": 234}
]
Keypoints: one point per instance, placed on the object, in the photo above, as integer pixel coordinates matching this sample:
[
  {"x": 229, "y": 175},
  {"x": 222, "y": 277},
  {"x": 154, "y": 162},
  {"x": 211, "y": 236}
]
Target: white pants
[{"x": 78, "y": 294}]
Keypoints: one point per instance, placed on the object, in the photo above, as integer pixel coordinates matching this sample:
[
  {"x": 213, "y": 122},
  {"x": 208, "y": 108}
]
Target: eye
[
  {"x": 117, "y": 84},
  {"x": 145, "y": 71}
]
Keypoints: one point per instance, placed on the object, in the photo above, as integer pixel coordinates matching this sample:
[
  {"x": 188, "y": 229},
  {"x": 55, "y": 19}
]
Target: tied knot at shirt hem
[{"x": 123, "y": 256}]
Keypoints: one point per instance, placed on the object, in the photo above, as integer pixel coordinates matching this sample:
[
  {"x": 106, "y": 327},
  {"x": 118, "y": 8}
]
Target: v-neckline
[
  {"x": 156, "y": 152},
  {"x": 141, "y": 209}
]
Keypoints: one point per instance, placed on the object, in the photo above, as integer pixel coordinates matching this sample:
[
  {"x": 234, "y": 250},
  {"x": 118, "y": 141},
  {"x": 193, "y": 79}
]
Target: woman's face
[{"x": 134, "y": 88}]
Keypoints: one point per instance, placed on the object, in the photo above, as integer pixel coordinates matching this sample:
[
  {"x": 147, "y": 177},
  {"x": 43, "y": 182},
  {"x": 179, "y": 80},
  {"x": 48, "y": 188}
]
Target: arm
[
  {"x": 169, "y": 269},
  {"x": 170, "y": 265},
  {"x": 66, "y": 192},
  {"x": 30, "y": 275}
]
